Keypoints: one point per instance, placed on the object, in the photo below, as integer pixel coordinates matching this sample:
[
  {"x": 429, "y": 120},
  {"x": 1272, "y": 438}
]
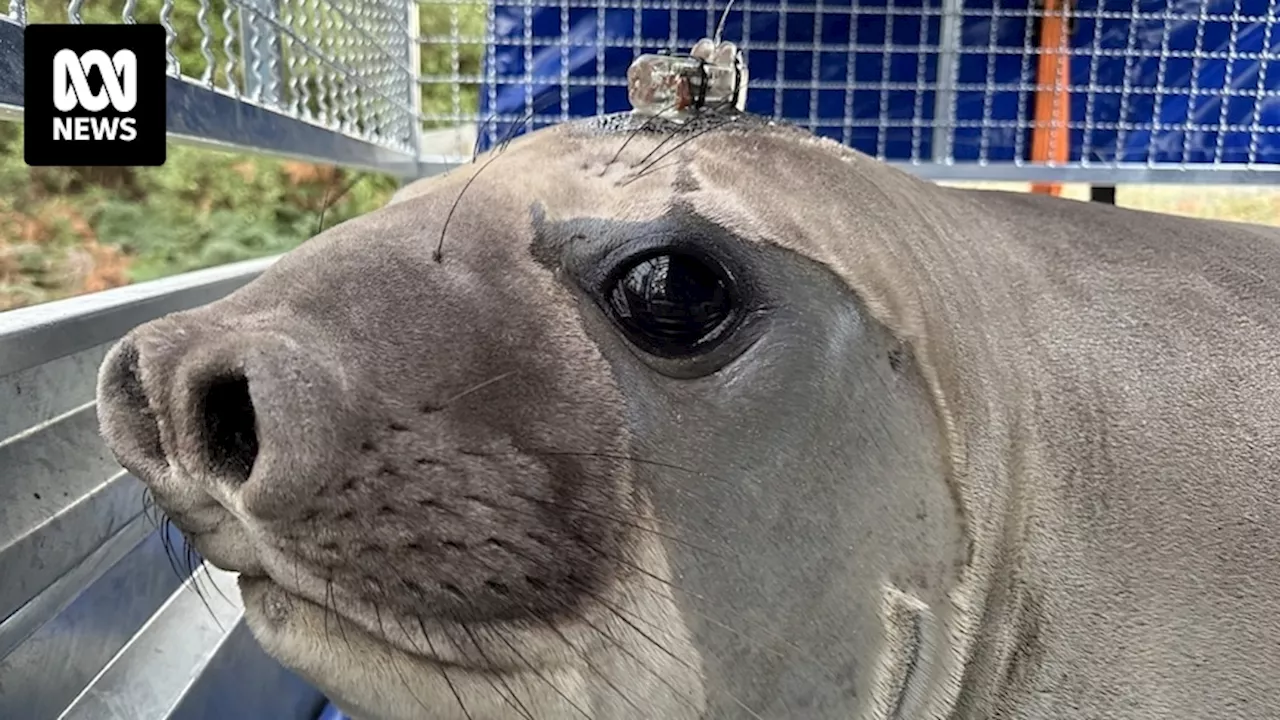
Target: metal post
[
  {"x": 261, "y": 54},
  {"x": 414, "y": 61},
  {"x": 18, "y": 11},
  {"x": 944, "y": 104}
]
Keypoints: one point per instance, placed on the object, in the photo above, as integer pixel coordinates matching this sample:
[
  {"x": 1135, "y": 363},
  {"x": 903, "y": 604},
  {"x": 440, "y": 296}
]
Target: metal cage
[
  {"x": 334, "y": 82},
  {"x": 1104, "y": 91},
  {"x": 1101, "y": 91}
]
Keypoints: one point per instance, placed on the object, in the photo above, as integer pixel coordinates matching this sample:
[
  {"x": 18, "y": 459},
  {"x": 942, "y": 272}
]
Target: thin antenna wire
[{"x": 723, "y": 17}]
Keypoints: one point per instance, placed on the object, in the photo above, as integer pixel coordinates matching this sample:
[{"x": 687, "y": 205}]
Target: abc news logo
[
  {"x": 95, "y": 94},
  {"x": 71, "y": 91}
]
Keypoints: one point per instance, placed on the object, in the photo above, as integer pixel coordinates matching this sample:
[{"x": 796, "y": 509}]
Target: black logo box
[{"x": 147, "y": 146}]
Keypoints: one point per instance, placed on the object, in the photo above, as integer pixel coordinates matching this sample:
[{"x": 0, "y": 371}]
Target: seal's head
[{"x": 615, "y": 442}]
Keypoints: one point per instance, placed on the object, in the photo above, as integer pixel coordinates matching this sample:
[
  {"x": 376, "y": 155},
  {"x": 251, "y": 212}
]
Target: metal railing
[
  {"x": 1139, "y": 90},
  {"x": 103, "y": 613},
  {"x": 331, "y": 82}
]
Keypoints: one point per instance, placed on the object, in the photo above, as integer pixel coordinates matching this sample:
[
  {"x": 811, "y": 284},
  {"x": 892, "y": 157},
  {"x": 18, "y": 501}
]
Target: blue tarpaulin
[{"x": 1201, "y": 108}]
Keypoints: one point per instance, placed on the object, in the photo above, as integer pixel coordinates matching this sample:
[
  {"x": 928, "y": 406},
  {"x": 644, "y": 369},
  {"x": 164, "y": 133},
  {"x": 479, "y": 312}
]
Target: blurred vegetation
[{"x": 71, "y": 230}]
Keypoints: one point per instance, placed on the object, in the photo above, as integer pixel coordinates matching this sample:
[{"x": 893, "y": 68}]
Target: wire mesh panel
[
  {"x": 1101, "y": 90},
  {"x": 346, "y": 66}
]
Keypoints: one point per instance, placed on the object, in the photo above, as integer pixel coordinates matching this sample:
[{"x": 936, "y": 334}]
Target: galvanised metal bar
[
  {"x": 277, "y": 86},
  {"x": 102, "y": 612},
  {"x": 91, "y": 588}
]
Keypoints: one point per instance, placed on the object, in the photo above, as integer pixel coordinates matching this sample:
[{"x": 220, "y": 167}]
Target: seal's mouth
[{"x": 280, "y": 605}]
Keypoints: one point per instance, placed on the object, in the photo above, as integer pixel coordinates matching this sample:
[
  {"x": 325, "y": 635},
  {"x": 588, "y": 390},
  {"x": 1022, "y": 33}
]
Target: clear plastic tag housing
[{"x": 676, "y": 86}]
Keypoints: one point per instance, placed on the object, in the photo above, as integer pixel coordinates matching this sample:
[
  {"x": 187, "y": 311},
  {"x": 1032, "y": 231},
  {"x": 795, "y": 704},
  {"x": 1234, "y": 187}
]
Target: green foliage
[
  {"x": 203, "y": 209},
  {"x": 69, "y": 230},
  {"x": 447, "y": 66}
]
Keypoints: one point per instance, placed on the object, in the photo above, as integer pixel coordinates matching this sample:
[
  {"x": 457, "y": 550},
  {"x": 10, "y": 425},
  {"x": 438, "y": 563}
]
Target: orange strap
[{"x": 1053, "y": 79}]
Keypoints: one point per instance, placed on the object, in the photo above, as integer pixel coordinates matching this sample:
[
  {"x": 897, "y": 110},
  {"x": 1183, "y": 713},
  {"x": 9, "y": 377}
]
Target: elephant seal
[{"x": 728, "y": 421}]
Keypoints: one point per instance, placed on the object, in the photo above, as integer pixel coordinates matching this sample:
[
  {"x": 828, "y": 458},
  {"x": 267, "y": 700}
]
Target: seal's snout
[
  {"x": 124, "y": 413},
  {"x": 219, "y": 414},
  {"x": 197, "y": 410}
]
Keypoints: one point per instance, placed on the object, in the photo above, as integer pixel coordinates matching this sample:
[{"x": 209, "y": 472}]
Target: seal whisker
[
  {"x": 513, "y": 701},
  {"x": 395, "y": 665},
  {"x": 704, "y": 616},
  {"x": 621, "y": 615},
  {"x": 408, "y": 635},
  {"x": 162, "y": 526},
  {"x": 327, "y": 202},
  {"x": 685, "y": 591},
  {"x": 477, "y": 388},
  {"x": 150, "y": 510},
  {"x": 650, "y": 170},
  {"x": 724, "y": 17},
  {"x": 193, "y": 571},
  {"x": 585, "y": 659},
  {"x": 558, "y": 633},
  {"x": 189, "y": 563},
  {"x": 325, "y": 604},
  {"x": 544, "y": 678},
  {"x": 518, "y": 706},
  {"x": 513, "y": 128},
  {"x": 636, "y": 526},
  {"x": 444, "y": 673},
  {"x": 538, "y": 562},
  {"x": 166, "y": 527},
  {"x": 641, "y": 461},
  {"x": 331, "y": 603},
  {"x": 377, "y": 614},
  {"x": 438, "y": 255},
  {"x": 647, "y": 124},
  {"x": 209, "y": 576},
  {"x": 640, "y": 661},
  {"x": 484, "y": 127},
  {"x": 694, "y": 134},
  {"x": 609, "y": 637},
  {"x": 324, "y": 618},
  {"x": 678, "y": 128}
]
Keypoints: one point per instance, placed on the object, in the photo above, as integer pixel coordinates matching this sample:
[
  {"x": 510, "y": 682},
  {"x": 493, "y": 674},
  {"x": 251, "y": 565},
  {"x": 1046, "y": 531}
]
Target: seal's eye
[{"x": 672, "y": 304}]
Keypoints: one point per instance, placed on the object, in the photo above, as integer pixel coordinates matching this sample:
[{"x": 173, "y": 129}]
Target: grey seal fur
[{"x": 968, "y": 454}]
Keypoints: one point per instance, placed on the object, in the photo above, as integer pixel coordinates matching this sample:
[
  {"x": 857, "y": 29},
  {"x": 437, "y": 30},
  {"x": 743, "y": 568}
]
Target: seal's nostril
[
  {"x": 126, "y": 380},
  {"x": 125, "y": 416},
  {"x": 230, "y": 427}
]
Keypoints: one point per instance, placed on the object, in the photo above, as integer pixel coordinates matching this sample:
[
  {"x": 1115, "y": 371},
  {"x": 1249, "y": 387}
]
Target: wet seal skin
[{"x": 728, "y": 421}]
